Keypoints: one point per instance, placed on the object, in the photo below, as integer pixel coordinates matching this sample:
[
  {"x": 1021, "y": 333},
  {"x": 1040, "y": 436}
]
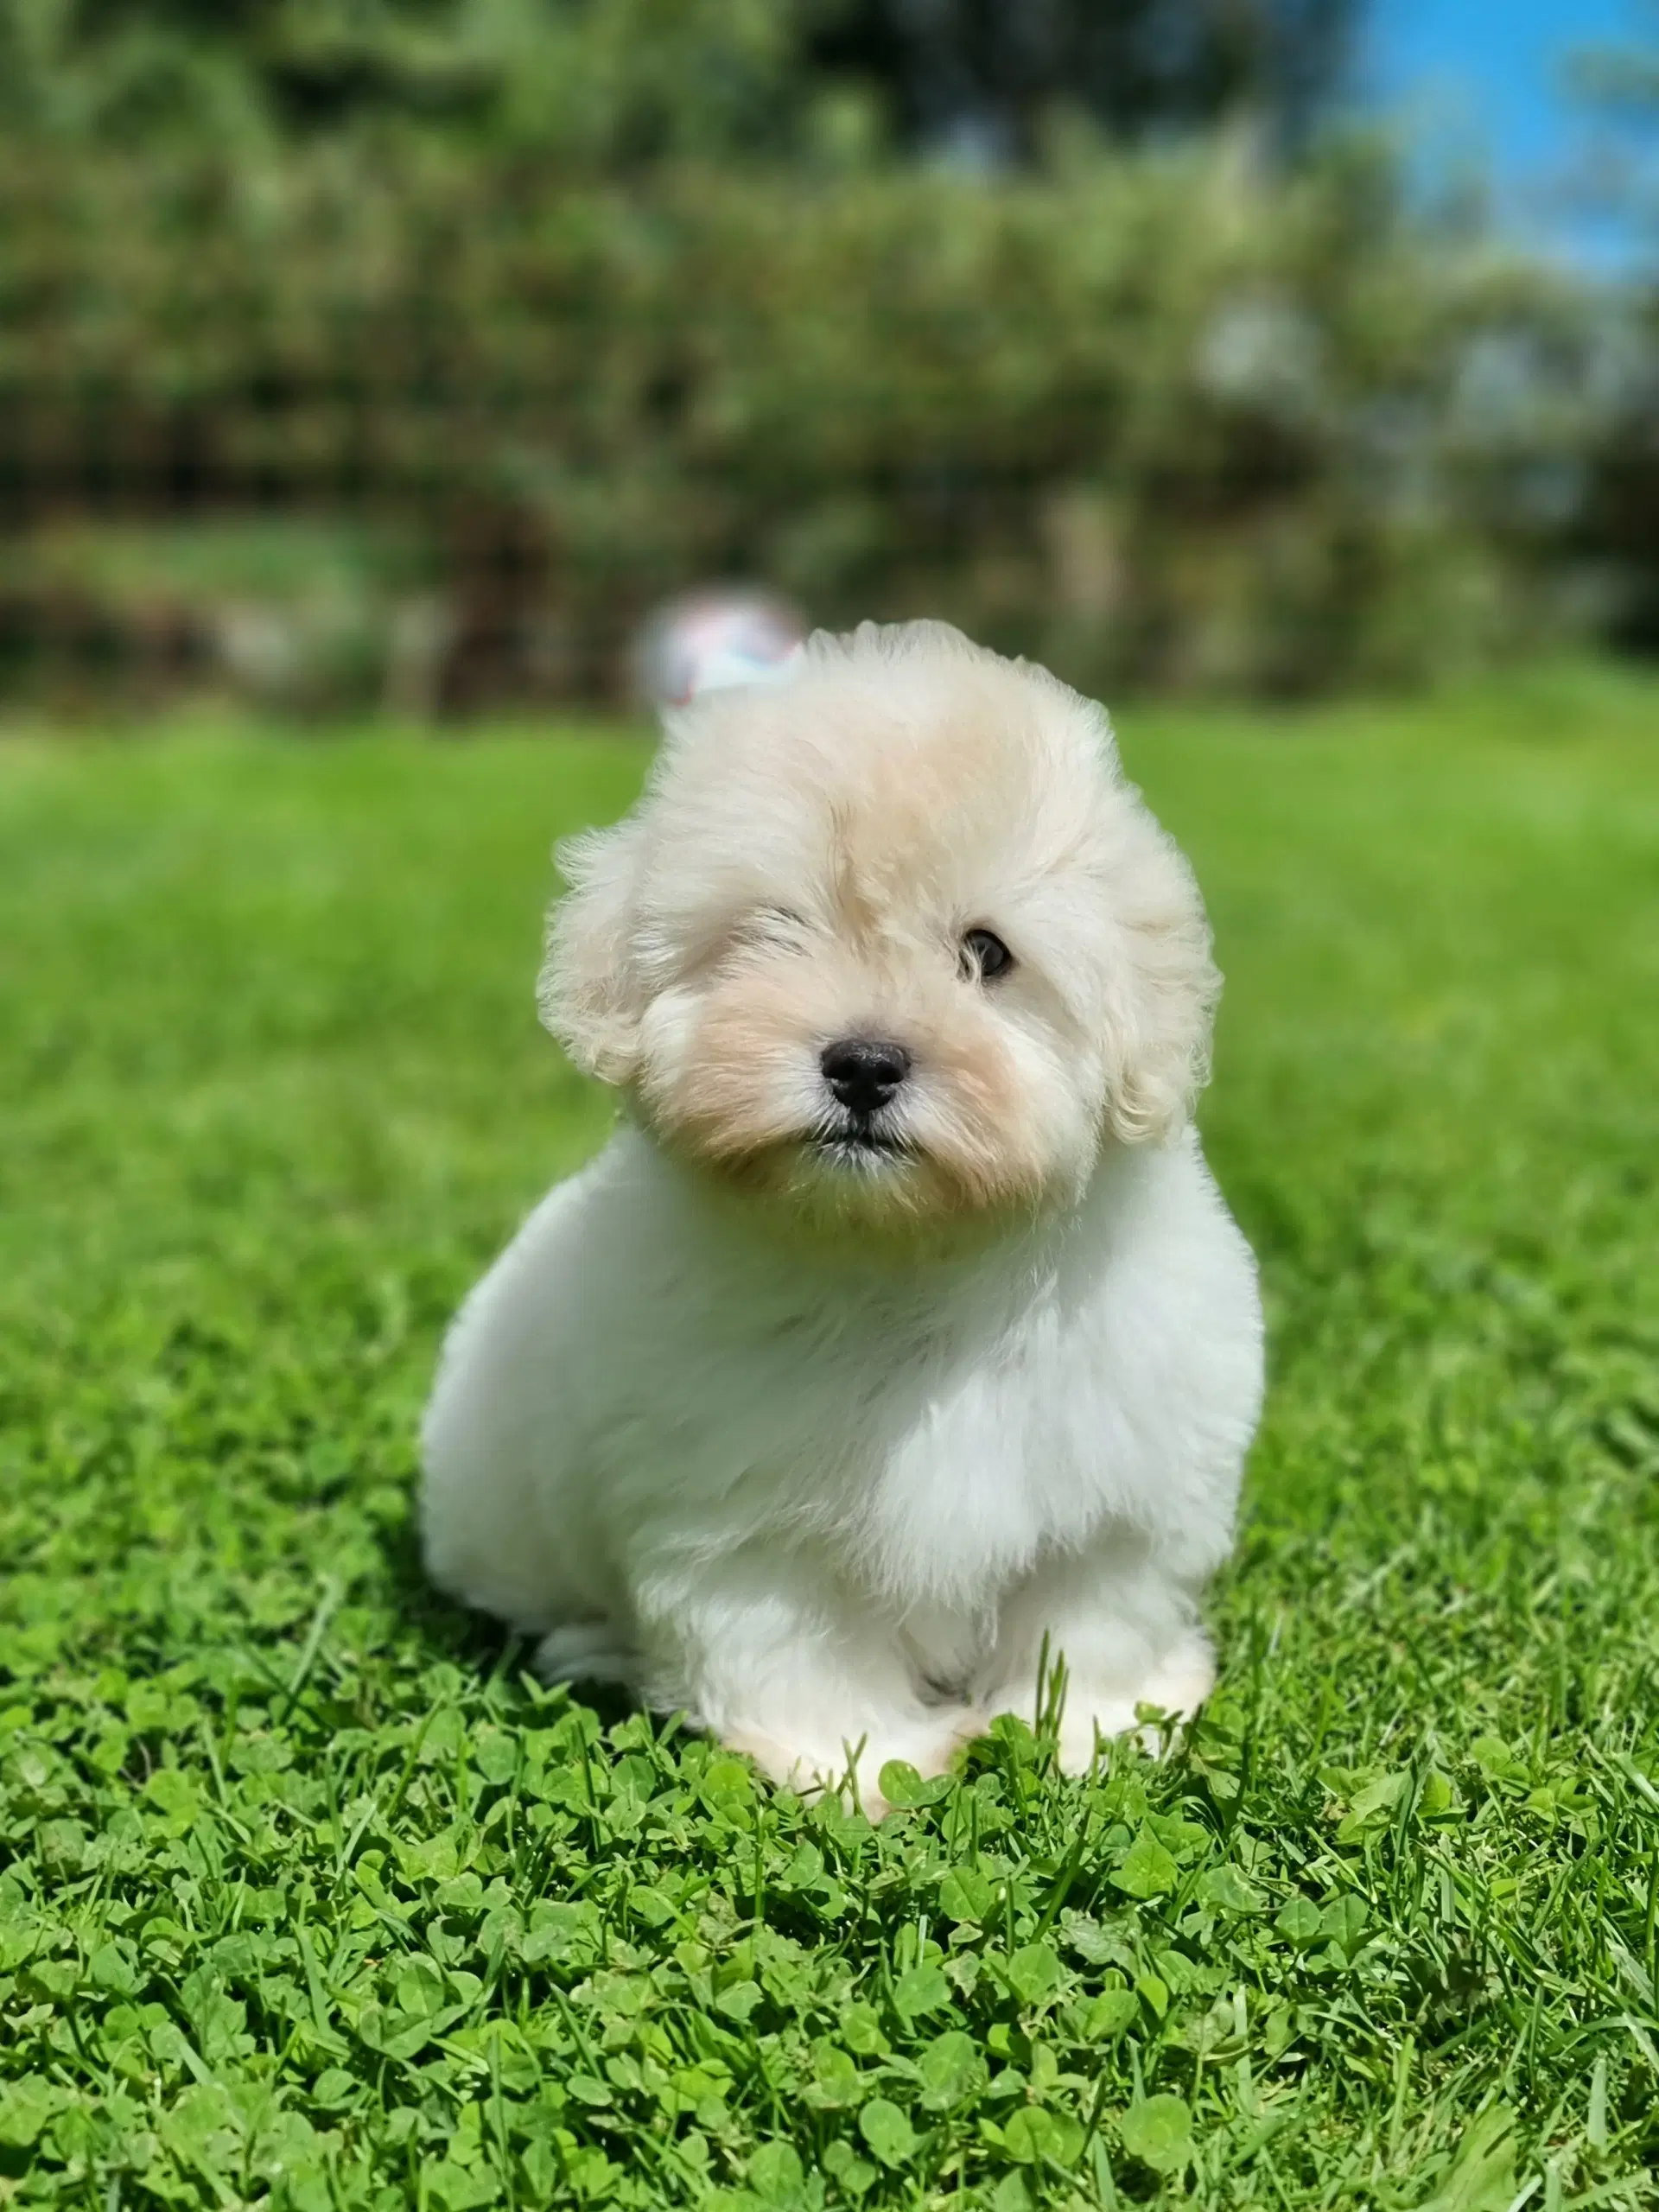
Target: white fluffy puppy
[{"x": 900, "y": 1328}]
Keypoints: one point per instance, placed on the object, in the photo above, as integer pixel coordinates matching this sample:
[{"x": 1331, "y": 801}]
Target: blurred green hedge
[{"x": 1164, "y": 418}]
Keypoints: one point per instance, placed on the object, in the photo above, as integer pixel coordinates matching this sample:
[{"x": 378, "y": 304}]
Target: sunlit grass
[{"x": 308, "y": 1898}]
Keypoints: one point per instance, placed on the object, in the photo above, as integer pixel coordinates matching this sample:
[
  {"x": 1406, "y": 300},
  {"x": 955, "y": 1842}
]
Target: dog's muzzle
[
  {"x": 864, "y": 1077},
  {"x": 862, "y": 1074}
]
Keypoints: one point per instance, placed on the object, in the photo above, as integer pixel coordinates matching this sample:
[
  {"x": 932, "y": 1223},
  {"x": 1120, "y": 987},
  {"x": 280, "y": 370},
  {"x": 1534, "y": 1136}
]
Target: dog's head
[{"x": 892, "y": 939}]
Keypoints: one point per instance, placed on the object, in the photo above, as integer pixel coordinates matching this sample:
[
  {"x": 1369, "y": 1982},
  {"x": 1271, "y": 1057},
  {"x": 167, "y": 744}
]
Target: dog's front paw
[
  {"x": 852, "y": 1768},
  {"x": 1092, "y": 1713}
]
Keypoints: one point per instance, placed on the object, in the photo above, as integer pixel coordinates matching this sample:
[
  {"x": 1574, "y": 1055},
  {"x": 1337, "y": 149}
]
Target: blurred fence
[{"x": 353, "y": 430}]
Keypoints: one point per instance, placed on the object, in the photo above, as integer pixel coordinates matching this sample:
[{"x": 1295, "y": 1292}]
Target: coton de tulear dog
[{"x": 900, "y": 1334}]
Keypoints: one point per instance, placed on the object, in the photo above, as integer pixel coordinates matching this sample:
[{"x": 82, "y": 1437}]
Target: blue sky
[{"x": 1482, "y": 77}]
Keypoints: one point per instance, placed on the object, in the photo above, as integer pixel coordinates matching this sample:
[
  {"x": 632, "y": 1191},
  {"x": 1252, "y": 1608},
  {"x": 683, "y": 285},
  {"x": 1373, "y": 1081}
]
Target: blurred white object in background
[{"x": 725, "y": 634}]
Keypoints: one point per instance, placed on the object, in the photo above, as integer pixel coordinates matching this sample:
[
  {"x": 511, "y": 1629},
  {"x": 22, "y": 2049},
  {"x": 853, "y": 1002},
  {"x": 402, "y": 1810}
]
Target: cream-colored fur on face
[
  {"x": 804, "y": 867},
  {"x": 816, "y": 1432}
]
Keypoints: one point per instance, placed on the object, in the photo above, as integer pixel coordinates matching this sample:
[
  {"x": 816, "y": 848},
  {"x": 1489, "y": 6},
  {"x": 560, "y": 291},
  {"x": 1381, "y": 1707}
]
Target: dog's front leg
[
  {"x": 763, "y": 1651},
  {"x": 1116, "y": 1627}
]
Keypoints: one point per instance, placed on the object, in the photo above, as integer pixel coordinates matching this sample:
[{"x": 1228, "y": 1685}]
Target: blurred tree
[
  {"x": 1619, "y": 87},
  {"x": 615, "y": 83},
  {"x": 977, "y": 78},
  {"x": 1624, "y": 78},
  {"x": 605, "y": 82},
  {"x": 1164, "y": 413}
]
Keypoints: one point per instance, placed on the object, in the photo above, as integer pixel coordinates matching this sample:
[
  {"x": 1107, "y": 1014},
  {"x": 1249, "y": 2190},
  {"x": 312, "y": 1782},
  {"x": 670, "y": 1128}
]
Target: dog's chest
[
  {"x": 931, "y": 1437},
  {"x": 1000, "y": 1462},
  {"x": 932, "y": 1455}
]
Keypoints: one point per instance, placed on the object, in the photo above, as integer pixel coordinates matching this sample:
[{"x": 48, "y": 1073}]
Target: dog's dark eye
[{"x": 985, "y": 956}]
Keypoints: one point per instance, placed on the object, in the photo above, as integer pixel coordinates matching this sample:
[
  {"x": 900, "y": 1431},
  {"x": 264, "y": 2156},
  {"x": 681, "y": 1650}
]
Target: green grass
[{"x": 310, "y": 1898}]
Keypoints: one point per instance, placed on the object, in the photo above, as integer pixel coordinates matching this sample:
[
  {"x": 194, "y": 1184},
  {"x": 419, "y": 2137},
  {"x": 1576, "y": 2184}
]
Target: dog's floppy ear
[
  {"x": 1158, "y": 1028},
  {"x": 591, "y": 994}
]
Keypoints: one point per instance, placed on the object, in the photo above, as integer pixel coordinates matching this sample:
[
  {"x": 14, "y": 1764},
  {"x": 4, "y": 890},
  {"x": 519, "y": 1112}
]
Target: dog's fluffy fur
[{"x": 818, "y": 1429}]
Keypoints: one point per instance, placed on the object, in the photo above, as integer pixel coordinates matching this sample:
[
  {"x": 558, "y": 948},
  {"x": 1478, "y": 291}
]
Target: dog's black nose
[{"x": 863, "y": 1072}]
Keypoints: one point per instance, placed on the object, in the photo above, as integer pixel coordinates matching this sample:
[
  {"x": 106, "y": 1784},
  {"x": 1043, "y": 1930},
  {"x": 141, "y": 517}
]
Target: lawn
[{"x": 309, "y": 1898}]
